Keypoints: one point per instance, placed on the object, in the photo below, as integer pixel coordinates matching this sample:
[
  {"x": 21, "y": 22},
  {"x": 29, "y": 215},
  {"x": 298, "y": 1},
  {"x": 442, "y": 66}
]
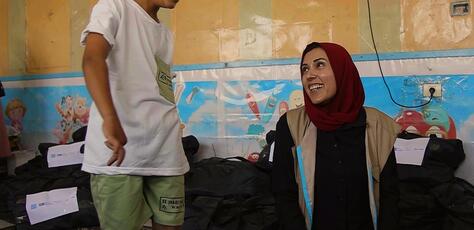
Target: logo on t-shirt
[{"x": 163, "y": 78}]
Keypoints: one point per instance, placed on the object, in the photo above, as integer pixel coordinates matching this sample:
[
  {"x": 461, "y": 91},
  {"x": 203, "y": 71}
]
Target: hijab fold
[{"x": 346, "y": 104}]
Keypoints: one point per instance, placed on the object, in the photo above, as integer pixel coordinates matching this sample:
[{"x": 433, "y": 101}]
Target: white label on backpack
[
  {"x": 51, "y": 204},
  {"x": 410, "y": 151},
  {"x": 61, "y": 155},
  {"x": 272, "y": 148}
]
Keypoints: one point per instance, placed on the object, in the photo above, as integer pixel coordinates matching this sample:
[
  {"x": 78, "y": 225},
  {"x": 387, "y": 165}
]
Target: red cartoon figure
[
  {"x": 412, "y": 121},
  {"x": 431, "y": 121},
  {"x": 283, "y": 107},
  {"x": 252, "y": 104},
  {"x": 253, "y": 157}
]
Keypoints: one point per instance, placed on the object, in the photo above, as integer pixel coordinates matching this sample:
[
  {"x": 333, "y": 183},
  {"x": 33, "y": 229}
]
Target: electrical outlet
[{"x": 436, "y": 86}]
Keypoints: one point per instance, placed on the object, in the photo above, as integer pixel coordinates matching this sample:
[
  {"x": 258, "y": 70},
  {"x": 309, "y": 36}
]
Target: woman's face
[{"x": 318, "y": 78}]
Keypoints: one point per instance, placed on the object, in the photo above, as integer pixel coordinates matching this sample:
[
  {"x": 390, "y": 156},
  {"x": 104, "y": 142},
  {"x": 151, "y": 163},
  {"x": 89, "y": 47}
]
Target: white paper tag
[
  {"x": 272, "y": 149},
  {"x": 62, "y": 155},
  {"x": 48, "y": 205},
  {"x": 410, "y": 151}
]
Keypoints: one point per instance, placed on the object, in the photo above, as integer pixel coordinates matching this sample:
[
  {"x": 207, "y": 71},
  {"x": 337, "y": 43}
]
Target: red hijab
[{"x": 345, "y": 106}]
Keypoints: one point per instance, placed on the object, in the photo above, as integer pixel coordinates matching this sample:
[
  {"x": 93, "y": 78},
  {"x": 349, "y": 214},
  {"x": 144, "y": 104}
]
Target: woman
[{"x": 334, "y": 165}]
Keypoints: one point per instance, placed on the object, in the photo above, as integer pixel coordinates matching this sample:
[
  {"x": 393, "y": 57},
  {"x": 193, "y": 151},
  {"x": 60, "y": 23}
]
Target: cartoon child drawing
[
  {"x": 66, "y": 109},
  {"x": 64, "y": 127},
  {"x": 63, "y": 131},
  {"x": 283, "y": 107},
  {"x": 296, "y": 99},
  {"x": 81, "y": 112},
  {"x": 15, "y": 111}
]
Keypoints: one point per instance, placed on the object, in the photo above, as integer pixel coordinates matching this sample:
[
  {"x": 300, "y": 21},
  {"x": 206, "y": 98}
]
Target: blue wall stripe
[
  {"x": 271, "y": 62},
  {"x": 42, "y": 76},
  {"x": 414, "y": 55}
]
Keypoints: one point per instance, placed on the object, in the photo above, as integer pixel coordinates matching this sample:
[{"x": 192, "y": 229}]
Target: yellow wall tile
[
  {"x": 79, "y": 19},
  {"x": 385, "y": 16},
  {"x": 428, "y": 25},
  {"x": 255, "y": 29},
  {"x": 298, "y": 23},
  {"x": 48, "y": 36},
  {"x": 16, "y": 37},
  {"x": 203, "y": 28}
]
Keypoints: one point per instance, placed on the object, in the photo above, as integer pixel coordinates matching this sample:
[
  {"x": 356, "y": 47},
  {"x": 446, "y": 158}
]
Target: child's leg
[
  {"x": 165, "y": 196},
  {"x": 119, "y": 201}
]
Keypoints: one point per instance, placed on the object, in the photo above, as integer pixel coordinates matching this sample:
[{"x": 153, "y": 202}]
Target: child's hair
[{"x": 14, "y": 104}]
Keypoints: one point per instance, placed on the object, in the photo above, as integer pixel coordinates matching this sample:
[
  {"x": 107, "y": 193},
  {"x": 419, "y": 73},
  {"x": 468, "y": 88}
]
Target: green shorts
[{"x": 127, "y": 202}]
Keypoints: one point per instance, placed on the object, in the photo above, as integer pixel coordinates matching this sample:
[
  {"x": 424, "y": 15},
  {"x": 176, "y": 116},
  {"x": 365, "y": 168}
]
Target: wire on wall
[{"x": 432, "y": 90}]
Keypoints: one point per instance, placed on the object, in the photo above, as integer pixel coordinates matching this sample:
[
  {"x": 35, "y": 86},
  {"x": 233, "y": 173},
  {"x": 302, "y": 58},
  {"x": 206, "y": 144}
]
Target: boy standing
[{"x": 133, "y": 142}]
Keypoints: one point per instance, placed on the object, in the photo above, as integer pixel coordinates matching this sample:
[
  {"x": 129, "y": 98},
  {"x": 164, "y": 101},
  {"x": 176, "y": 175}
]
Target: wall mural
[
  {"x": 250, "y": 109},
  {"x": 240, "y": 113},
  {"x": 45, "y": 114}
]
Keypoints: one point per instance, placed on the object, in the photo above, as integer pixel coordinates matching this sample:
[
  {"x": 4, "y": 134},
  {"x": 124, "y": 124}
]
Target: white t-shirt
[{"x": 150, "y": 120}]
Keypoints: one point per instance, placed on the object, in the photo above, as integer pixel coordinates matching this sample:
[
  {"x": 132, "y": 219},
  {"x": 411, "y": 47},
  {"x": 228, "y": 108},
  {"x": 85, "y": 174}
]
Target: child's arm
[{"x": 97, "y": 81}]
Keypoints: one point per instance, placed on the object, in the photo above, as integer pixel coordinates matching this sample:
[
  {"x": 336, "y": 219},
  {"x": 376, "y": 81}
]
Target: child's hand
[{"x": 115, "y": 140}]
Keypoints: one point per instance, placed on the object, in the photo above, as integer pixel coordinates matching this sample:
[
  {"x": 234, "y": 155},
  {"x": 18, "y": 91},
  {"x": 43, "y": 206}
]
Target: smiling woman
[
  {"x": 317, "y": 76},
  {"x": 334, "y": 181}
]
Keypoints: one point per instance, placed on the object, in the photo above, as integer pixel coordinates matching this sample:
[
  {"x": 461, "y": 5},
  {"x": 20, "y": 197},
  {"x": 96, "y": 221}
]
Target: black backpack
[
  {"x": 457, "y": 198},
  {"x": 228, "y": 194}
]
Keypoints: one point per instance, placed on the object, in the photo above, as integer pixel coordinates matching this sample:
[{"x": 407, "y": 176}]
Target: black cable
[{"x": 432, "y": 90}]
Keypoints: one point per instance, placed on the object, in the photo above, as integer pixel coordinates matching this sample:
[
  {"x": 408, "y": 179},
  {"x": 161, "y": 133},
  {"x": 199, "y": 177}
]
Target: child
[{"x": 133, "y": 142}]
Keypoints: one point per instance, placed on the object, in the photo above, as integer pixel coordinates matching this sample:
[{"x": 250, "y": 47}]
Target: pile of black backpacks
[
  {"x": 234, "y": 193},
  {"x": 431, "y": 197},
  {"x": 34, "y": 177},
  {"x": 220, "y": 193}
]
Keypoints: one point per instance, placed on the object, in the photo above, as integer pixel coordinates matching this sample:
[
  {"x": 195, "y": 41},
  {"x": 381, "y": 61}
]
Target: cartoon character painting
[
  {"x": 64, "y": 127},
  {"x": 66, "y": 108},
  {"x": 81, "y": 112},
  {"x": 15, "y": 111},
  {"x": 440, "y": 123},
  {"x": 74, "y": 114},
  {"x": 432, "y": 120},
  {"x": 296, "y": 99},
  {"x": 412, "y": 121},
  {"x": 252, "y": 104},
  {"x": 253, "y": 157},
  {"x": 283, "y": 107},
  {"x": 63, "y": 131},
  {"x": 269, "y": 109}
]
